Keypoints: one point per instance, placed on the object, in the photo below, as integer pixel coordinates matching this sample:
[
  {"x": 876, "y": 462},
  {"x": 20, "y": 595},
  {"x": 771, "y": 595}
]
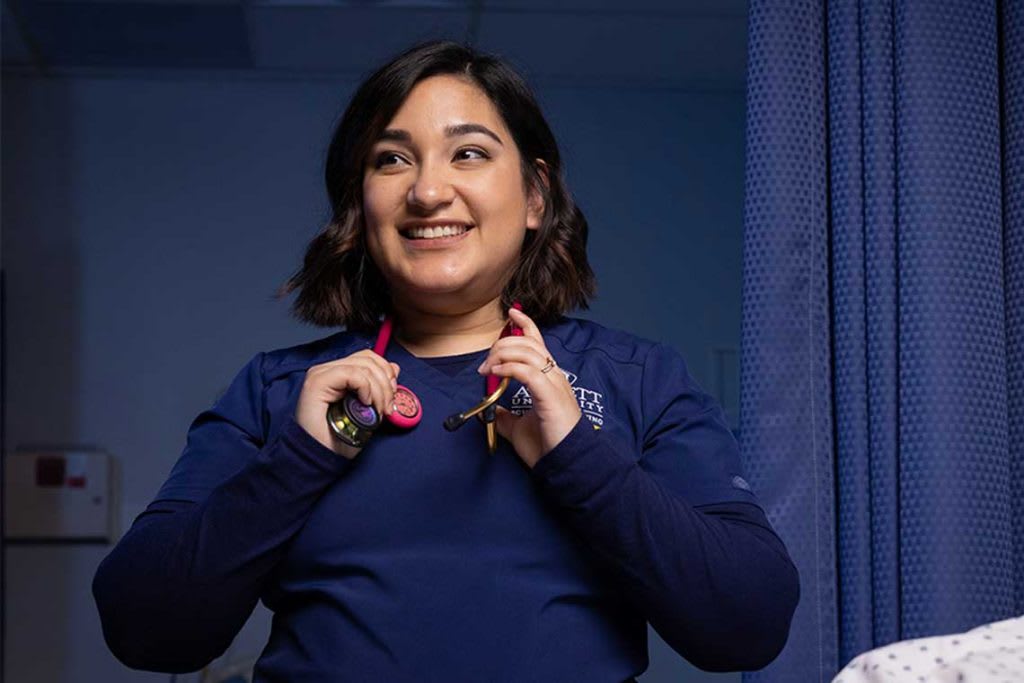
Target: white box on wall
[{"x": 59, "y": 495}]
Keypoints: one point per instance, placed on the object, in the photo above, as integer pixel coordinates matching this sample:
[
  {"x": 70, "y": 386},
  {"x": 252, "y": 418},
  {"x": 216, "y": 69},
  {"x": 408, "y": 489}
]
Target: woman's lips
[{"x": 435, "y": 242}]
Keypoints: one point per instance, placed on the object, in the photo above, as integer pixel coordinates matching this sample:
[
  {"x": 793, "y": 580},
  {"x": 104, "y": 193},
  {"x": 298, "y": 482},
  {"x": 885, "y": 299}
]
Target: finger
[
  {"x": 353, "y": 377},
  {"x": 522, "y": 353},
  {"x": 348, "y": 378},
  {"x": 517, "y": 342},
  {"x": 524, "y": 321},
  {"x": 369, "y": 389},
  {"x": 389, "y": 369},
  {"x": 383, "y": 389},
  {"x": 503, "y": 422},
  {"x": 536, "y": 382}
]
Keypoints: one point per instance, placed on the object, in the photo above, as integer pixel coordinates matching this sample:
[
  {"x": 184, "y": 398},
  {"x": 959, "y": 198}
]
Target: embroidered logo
[{"x": 589, "y": 400}]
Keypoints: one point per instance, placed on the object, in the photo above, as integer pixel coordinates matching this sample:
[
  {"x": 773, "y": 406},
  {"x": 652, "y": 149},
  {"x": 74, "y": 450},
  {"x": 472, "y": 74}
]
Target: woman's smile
[
  {"x": 435, "y": 234},
  {"x": 435, "y": 241}
]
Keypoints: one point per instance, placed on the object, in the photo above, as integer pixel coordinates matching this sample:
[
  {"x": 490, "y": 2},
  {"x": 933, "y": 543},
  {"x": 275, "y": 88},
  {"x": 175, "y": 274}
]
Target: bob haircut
[{"x": 339, "y": 284}]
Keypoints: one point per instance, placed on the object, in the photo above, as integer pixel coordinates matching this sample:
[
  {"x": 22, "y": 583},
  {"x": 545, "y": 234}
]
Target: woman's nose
[{"x": 431, "y": 188}]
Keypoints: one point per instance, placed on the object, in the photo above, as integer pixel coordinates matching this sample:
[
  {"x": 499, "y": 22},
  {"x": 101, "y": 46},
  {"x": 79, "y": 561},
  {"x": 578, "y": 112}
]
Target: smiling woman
[
  {"x": 614, "y": 499},
  {"x": 441, "y": 136}
]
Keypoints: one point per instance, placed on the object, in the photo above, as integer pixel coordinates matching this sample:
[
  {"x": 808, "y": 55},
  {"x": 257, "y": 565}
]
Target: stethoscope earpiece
[{"x": 453, "y": 422}]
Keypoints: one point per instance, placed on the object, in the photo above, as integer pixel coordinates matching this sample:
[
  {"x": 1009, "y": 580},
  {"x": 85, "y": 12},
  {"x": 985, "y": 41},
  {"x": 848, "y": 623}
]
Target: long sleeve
[
  {"x": 177, "y": 588},
  {"x": 678, "y": 529}
]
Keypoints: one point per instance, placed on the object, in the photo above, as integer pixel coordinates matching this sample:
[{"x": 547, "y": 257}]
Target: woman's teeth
[{"x": 438, "y": 231}]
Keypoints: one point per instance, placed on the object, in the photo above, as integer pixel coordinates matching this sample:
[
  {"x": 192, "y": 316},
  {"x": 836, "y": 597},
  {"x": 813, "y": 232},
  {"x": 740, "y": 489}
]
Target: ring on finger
[{"x": 550, "y": 364}]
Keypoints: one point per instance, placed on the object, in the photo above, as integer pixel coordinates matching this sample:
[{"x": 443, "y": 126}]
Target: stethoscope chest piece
[
  {"x": 355, "y": 422},
  {"x": 408, "y": 411}
]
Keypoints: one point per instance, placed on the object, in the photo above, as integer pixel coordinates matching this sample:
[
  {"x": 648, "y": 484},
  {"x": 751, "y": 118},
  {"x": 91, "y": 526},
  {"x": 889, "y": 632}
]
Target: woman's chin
[
  {"x": 451, "y": 300},
  {"x": 438, "y": 288}
]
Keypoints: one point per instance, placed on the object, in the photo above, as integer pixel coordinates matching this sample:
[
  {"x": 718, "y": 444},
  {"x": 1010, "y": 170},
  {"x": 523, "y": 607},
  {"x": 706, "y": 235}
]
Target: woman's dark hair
[{"x": 339, "y": 284}]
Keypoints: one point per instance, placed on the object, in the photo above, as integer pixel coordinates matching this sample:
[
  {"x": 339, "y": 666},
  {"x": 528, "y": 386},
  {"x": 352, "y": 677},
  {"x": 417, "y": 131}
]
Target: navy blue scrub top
[{"x": 428, "y": 559}]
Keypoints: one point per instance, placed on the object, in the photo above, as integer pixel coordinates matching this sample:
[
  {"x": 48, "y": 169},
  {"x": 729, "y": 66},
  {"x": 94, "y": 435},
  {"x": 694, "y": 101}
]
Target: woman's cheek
[{"x": 372, "y": 205}]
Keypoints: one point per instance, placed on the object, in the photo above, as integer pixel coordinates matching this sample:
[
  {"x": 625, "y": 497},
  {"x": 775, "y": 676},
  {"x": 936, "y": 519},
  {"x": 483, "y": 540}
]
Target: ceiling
[{"x": 679, "y": 44}]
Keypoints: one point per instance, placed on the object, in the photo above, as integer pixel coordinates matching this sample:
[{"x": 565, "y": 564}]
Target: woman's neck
[{"x": 429, "y": 333}]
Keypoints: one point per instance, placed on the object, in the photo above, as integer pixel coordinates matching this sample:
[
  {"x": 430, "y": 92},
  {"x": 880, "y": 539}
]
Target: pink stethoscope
[{"x": 355, "y": 421}]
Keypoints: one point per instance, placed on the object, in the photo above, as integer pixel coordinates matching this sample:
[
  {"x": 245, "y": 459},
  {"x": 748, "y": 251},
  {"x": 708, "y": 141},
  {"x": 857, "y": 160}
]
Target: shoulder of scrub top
[
  {"x": 300, "y": 357},
  {"x": 579, "y": 335}
]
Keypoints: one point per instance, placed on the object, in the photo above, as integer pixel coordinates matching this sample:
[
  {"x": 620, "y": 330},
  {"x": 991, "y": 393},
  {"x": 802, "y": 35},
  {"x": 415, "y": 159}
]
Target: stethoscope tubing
[{"x": 360, "y": 420}]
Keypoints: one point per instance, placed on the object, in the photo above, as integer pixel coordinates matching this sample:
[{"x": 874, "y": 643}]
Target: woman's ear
[{"x": 535, "y": 201}]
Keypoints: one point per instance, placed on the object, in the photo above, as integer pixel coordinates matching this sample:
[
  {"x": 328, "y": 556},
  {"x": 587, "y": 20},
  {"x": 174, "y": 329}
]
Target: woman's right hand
[{"x": 373, "y": 378}]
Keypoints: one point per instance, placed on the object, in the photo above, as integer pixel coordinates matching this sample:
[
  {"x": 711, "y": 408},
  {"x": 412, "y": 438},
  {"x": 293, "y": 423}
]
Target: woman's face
[{"x": 446, "y": 159}]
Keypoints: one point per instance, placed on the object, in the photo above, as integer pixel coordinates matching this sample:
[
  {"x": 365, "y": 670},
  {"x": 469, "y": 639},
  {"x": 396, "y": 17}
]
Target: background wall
[{"x": 147, "y": 221}]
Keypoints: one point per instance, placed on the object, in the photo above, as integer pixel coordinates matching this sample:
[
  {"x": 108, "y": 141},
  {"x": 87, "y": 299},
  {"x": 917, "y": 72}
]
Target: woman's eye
[
  {"x": 471, "y": 150},
  {"x": 383, "y": 158}
]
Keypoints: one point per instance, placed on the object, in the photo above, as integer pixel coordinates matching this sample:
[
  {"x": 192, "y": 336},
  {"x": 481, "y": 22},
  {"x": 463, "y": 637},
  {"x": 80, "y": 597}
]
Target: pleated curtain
[{"x": 882, "y": 416}]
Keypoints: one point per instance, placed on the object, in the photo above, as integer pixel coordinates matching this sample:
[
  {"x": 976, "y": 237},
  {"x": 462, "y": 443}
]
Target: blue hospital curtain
[{"x": 882, "y": 375}]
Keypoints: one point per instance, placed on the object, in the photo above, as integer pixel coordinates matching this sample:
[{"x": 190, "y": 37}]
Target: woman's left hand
[{"x": 555, "y": 409}]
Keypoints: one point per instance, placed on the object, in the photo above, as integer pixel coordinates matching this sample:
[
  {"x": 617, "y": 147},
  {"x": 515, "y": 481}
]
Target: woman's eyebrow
[
  {"x": 400, "y": 135},
  {"x": 466, "y": 128}
]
